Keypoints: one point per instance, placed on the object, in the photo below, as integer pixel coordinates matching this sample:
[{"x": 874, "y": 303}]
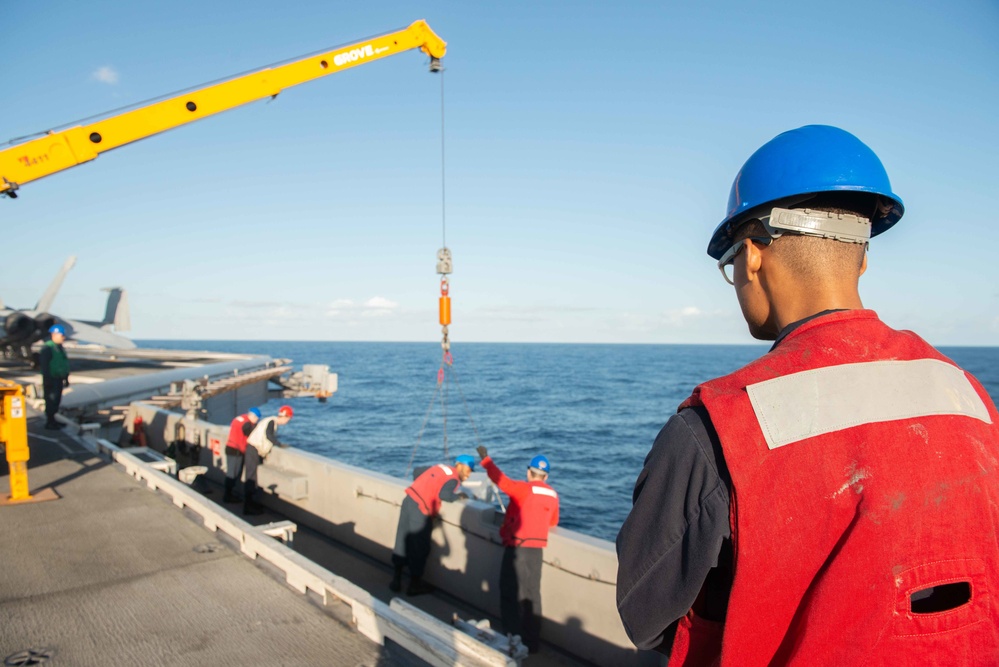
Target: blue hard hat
[
  {"x": 802, "y": 162},
  {"x": 57, "y": 328},
  {"x": 467, "y": 460},
  {"x": 540, "y": 462},
  {"x": 255, "y": 412}
]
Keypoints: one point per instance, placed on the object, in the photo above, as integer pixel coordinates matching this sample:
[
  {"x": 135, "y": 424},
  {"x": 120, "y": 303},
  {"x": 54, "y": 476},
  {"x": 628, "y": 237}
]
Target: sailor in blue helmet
[
  {"x": 834, "y": 501},
  {"x": 235, "y": 451},
  {"x": 54, "y": 366},
  {"x": 437, "y": 484},
  {"x": 531, "y": 513}
]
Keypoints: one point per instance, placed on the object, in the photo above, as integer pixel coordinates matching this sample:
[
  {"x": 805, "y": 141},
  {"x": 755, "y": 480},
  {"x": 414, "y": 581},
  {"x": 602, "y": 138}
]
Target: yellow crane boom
[{"x": 56, "y": 151}]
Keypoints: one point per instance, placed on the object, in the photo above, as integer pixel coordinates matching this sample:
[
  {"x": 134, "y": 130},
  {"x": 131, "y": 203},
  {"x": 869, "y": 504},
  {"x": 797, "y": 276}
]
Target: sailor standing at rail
[
  {"x": 835, "y": 501},
  {"x": 532, "y": 511},
  {"x": 54, "y": 366},
  {"x": 262, "y": 439},
  {"x": 422, "y": 503},
  {"x": 235, "y": 451}
]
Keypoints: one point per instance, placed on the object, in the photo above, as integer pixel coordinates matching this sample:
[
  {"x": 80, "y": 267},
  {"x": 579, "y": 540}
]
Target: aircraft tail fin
[
  {"x": 45, "y": 303},
  {"x": 117, "y": 312}
]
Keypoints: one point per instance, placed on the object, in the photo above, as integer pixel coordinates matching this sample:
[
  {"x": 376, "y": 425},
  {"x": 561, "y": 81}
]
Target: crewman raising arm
[{"x": 532, "y": 511}]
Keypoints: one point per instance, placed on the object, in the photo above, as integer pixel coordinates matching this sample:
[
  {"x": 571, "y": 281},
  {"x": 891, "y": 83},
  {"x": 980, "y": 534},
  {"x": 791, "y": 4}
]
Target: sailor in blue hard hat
[
  {"x": 540, "y": 466},
  {"x": 793, "y": 489},
  {"x": 466, "y": 460},
  {"x": 235, "y": 451},
  {"x": 434, "y": 486},
  {"x": 826, "y": 193},
  {"x": 531, "y": 513},
  {"x": 54, "y": 366}
]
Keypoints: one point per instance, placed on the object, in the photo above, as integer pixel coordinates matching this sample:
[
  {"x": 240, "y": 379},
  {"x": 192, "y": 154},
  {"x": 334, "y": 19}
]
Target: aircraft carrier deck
[
  {"x": 120, "y": 569},
  {"x": 110, "y": 574}
]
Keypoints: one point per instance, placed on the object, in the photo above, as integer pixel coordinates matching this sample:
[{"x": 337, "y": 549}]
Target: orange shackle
[{"x": 445, "y": 304}]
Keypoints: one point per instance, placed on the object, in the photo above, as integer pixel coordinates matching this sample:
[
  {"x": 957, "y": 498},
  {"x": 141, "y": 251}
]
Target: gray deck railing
[
  {"x": 423, "y": 635},
  {"x": 360, "y": 508}
]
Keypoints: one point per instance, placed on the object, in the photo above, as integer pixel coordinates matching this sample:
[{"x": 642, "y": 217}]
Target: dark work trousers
[
  {"x": 52, "y": 389},
  {"x": 412, "y": 538},
  {"x": 251, "y": 460},
  {"x": 520, "y": 594},
  {"x": 234, "y": 463}
]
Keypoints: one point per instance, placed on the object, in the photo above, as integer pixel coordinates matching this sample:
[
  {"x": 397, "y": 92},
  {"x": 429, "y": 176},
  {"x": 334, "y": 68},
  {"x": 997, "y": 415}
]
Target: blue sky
[{"x": 590, "y": 151}]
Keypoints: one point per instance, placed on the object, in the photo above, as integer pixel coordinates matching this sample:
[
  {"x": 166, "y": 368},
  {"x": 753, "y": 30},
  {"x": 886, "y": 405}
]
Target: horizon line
[{"x": 483, "y": 342}]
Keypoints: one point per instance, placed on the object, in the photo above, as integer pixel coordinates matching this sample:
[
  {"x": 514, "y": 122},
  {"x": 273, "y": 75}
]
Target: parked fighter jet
[{"x": 22, "y": 328}]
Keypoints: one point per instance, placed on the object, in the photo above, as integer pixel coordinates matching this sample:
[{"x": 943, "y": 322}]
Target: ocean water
[{"x": 594, "y": 410}]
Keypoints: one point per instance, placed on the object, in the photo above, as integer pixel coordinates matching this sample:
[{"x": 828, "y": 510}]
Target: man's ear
[
  {"x": 753, "y": 260},
  {"x": 863, "y": 264}
]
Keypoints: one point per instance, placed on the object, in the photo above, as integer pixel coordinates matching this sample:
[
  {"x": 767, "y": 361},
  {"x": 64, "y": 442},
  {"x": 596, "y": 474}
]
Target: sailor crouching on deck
[
  {"x": 422, "y": 503},
  {"x": 261, "y": 440},
  {"x": 533, "y": 510},
  {"x": 835, "y": 501},
  {"x": 235, "y": 450}
]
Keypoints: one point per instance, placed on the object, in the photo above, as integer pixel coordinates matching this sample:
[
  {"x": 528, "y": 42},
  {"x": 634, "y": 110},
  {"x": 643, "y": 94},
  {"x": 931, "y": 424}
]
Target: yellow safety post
[{"x": 14, "y": 436}]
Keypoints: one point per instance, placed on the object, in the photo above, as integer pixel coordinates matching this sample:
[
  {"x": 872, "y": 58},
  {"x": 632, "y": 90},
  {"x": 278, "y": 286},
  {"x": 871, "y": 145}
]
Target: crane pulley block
[{"x": 444, "y": 265}]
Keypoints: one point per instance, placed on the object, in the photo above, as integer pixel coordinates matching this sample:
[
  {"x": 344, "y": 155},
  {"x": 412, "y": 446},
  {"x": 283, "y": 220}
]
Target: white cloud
[
  {"x": 376, "y": 306},
  {"x": 380, "y": 303},
  {"x": 105, "y": 74}
]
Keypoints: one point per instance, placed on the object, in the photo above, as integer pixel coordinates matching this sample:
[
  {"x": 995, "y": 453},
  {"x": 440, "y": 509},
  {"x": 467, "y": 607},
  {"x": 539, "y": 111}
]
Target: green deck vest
[{"x": 59, "y": 364}]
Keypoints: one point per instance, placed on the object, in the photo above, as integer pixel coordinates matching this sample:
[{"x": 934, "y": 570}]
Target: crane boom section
[{"x": 57, "y": 151}]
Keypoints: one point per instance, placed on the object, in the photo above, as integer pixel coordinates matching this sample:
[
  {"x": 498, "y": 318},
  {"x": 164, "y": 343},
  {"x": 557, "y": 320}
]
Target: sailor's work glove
[{"x": 483, "y": 452}]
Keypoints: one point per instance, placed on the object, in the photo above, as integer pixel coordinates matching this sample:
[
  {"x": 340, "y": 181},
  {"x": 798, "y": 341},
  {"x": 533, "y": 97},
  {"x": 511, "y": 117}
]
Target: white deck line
[{"x": 426, "y": 637}]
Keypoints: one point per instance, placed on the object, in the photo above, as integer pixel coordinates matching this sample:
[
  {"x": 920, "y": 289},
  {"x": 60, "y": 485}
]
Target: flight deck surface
[{"x": 111, "y": 573}]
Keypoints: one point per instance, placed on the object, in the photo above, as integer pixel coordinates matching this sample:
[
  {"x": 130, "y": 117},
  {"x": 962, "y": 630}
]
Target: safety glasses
[{"x": 728, "y": 259}]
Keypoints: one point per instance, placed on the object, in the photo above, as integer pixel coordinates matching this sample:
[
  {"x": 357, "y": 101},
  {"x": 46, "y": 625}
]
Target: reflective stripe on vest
[
  {"x": 236, "y": 438},
  {"x": 865, "y": 473},
  {"x": 426, "y": 489},
  {"x": 811, "y": 403}
]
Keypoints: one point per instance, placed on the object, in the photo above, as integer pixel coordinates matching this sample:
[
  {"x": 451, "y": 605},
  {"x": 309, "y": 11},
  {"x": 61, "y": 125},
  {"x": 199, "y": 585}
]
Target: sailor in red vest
[
  {"x": 235, "y": 451},
  {"x": 532, "y": 511},
  {"x": 422, "y": 503},
  {"x": 835, "y": 501}
]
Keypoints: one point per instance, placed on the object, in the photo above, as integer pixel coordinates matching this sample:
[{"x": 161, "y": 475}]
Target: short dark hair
[{"x": 811, "y": 255}]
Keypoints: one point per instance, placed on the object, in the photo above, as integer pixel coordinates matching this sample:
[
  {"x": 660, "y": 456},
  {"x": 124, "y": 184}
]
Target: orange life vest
[
  {"x": 236, "y": 438},
  {"x": 865, "y": 477},
  {"x": 532, "y": 511},
  {"x": 426, "y": 489}
]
